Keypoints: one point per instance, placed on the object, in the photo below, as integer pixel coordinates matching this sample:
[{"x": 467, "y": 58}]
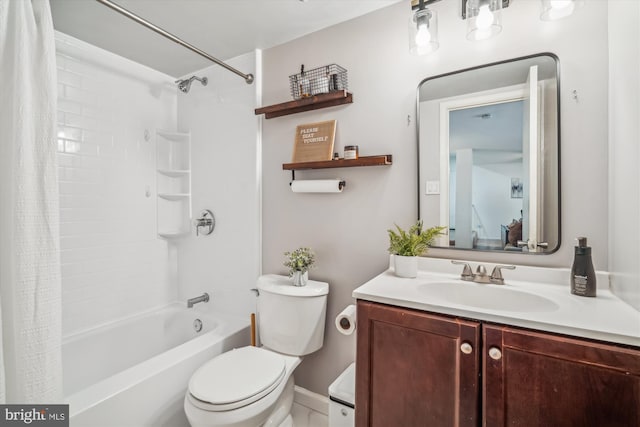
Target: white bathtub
[{"x": 134, "y": 372}]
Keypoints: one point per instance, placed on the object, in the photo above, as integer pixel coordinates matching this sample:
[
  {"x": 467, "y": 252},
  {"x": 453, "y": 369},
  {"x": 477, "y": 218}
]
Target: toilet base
[
  {"x": 288, "y": 422},
  {"x": 279, "y": 415},
  {"x": 282, "y": 408}
]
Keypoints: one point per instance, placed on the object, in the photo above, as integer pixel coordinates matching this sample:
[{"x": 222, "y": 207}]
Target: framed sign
[{"x": 314, "y": 142}]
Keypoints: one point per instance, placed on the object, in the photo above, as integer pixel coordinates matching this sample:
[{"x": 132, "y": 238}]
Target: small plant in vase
[
  {"x": 299, "y": 262},
  {"x": 406, "y": 246}
]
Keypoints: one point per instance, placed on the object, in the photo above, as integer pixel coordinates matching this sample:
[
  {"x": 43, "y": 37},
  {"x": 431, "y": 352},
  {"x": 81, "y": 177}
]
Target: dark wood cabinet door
[
  {"x": 534, "y": 379},
  {"x": 411, "y": 371}
]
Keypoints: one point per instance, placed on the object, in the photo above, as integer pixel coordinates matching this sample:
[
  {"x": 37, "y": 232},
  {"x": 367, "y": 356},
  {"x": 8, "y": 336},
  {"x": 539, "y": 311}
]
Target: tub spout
[{"x": 202, "y": 298}]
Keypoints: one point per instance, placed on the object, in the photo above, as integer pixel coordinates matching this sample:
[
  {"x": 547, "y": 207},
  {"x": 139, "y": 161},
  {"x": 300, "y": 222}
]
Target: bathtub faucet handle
[
  {"x": 202, "y": 298},
  {"x": 206, "y": 221}
]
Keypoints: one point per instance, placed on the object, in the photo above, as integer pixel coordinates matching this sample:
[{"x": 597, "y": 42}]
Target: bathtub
[{"x": 134, "y": 372}]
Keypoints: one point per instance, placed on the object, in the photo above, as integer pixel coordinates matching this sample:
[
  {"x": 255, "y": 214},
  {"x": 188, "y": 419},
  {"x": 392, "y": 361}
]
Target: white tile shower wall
[
  {"x": 113, "y": 264},
  {"x": 225, "y": 179}
]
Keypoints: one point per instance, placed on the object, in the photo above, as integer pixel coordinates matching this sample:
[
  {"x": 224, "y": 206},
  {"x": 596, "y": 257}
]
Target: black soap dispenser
[{"x": 583, "y": 276}]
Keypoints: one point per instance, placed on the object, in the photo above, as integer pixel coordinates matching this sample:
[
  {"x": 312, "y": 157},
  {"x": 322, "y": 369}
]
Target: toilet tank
[{"x": 291, "y": 318}]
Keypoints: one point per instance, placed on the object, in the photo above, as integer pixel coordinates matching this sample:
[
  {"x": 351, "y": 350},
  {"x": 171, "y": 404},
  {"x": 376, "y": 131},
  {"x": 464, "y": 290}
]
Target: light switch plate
[{"x": 433, "y": 187}]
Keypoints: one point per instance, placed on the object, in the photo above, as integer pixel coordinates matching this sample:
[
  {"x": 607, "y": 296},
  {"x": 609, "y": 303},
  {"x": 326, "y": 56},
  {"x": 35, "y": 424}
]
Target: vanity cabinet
[
  {"x": 537, "y": 379},
  {"x": 421, "y": 369},
  {"x": 415, "y": 369}
]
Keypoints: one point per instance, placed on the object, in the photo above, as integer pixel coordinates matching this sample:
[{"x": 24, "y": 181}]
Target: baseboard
[{"x": 311, "y": 400}]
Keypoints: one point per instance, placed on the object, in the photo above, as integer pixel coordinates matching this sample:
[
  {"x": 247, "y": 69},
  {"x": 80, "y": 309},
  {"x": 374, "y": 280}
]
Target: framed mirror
[{"x": 488, "y": 155}]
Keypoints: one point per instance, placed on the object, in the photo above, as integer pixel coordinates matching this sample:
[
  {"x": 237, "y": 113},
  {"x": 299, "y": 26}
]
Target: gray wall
[{"x": 348, "y": 230}]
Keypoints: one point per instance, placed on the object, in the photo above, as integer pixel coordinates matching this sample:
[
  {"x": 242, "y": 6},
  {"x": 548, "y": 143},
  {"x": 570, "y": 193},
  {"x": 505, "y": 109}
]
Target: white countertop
[{"x": 604, "y": 317}]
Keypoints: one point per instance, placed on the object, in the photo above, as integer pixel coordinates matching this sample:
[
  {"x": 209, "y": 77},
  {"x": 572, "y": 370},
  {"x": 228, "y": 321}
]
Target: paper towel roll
[
  {"x": 317, "y": 186},
  {"x": 346, "y": 320}
]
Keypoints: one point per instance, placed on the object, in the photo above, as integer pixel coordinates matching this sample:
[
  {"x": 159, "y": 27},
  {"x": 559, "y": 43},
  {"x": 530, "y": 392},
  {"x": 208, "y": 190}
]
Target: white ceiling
[
  {"x": 222, "y": 28},
  {"x": 487, "y": 78},
  {"x": 493, "y": 131}
]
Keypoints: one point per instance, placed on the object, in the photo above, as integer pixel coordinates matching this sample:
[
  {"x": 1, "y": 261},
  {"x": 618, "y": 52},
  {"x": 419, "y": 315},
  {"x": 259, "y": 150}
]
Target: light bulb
[
  {"x": 423, "y": 36},
  {"x": 484, "y": 18},
  {"x": 560, "y": 4},
  {"x": 423, "y": 32}
]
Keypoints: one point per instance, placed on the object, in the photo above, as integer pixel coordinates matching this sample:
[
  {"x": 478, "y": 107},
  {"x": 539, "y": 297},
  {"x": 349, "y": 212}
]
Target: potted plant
[
  {"x": 299, "y": 262},
  {"x": 406, "y": 246}
]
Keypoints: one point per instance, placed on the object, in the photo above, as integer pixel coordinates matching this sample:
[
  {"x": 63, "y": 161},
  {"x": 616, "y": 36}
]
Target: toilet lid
[{"x": 238, "y": 377}]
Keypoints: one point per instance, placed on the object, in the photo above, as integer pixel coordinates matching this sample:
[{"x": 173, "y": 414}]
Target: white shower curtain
[{"x": 30, "y": 295}]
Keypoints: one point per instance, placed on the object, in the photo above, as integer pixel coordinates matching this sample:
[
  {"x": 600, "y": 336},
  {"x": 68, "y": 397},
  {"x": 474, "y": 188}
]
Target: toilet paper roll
[
  {"x": 317, "y": 186},
  {"x": 346, "y": 320}
]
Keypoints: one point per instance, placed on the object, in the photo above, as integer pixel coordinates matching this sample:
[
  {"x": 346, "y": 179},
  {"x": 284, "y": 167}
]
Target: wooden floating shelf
[
  {"x": 382, "y": 160},
  {"x": 306, "y": 104}
]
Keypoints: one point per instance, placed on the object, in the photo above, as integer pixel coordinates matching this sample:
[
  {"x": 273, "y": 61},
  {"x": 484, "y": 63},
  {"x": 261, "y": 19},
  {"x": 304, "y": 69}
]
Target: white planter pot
[{"x": 406, "y": 266}]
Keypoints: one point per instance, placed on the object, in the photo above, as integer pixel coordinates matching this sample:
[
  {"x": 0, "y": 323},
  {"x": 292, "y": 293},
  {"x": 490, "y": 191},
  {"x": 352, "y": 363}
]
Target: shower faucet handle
[{"x": 206, "y": 221}]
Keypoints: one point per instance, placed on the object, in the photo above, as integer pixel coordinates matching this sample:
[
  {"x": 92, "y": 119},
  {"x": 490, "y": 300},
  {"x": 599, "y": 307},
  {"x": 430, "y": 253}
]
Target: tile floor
[{"x": 306, "y": 417}]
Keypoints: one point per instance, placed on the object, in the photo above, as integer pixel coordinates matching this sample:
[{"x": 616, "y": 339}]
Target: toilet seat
[{"x": 236, "y": 378}]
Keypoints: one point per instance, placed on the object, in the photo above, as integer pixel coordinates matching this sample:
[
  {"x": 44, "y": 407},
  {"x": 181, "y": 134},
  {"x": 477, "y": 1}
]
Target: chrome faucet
[
  {"x": 467, "y": 274},
  {"x": 481, "y": 275},
  {"x": 202, "y": 298},
  {"x": 496, "y": 274}
]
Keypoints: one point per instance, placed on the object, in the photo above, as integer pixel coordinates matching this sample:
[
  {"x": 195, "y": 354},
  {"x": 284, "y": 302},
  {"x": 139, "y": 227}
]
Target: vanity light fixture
[
  {"x": 423, "y": 30},
  {"x": 483, "y": 18},
  {"x": 557, "y": 9}
]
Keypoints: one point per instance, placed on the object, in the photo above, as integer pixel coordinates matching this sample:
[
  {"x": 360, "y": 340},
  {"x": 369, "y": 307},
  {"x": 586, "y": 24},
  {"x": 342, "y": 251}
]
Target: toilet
[{"x": 253, "y": 386}]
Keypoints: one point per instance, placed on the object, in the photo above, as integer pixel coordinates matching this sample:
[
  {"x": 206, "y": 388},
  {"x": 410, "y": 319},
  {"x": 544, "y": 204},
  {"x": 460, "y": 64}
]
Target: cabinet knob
[
  {"x": 466, "y": 348},
  {"x": 495, "y": 353}
]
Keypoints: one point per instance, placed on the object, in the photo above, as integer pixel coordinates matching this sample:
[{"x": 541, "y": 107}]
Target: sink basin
[{"x": 490, "y": 297}]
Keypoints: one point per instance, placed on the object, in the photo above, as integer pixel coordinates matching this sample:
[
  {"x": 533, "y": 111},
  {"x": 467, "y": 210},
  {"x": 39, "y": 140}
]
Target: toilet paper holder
[
  {"x": 346, "y": 320},
  {"x": 344, "y": 323},
  {"x": 341, "y": 184}
]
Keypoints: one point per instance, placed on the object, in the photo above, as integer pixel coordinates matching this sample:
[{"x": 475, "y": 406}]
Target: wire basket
[{"x": 329, "y": 78}]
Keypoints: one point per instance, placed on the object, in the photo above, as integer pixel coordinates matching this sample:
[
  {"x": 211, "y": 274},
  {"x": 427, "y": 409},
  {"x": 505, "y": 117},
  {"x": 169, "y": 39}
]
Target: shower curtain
[{"x": 30, "y": 295}]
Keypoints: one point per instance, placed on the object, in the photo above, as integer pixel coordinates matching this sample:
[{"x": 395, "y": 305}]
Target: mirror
[{"x": 488, "y": 148}]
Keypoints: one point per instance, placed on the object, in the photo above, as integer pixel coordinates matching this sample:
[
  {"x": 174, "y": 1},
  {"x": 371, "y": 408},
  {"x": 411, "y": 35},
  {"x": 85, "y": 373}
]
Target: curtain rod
[{"x": 247, "y": 77}]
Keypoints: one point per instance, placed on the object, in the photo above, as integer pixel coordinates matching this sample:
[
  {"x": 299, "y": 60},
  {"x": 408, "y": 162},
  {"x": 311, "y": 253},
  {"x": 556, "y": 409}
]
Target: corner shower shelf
[
  {"x": 174, "y": 173},
  {"x": 174, "y": 136},
  {"x": 382, "y": 160},
  {"x": 172, "y": 234},
  {"x": 174, "y": 196},
  {"x": 173, "y": 178},
  {"x": 306, "y": 104}
]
